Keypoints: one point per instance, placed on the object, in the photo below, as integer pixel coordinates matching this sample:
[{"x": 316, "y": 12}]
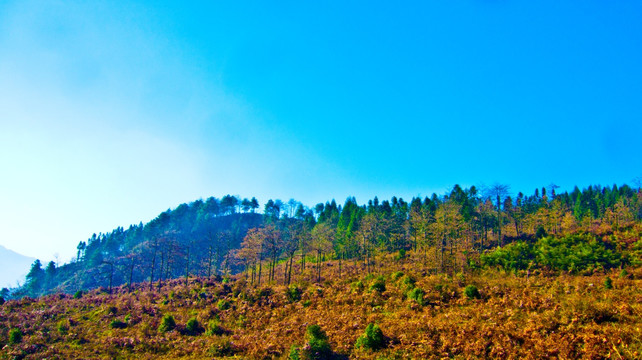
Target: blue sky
[{"x": 111, "y": 113}]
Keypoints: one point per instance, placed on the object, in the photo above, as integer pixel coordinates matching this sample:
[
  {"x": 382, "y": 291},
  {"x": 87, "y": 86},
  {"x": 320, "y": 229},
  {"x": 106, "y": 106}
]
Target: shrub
[
  {"x": 117, "y": 324},
  {"x": 400, "y": 255},
  {"x": 223, "y": 304},
  {"x": 1, "y": 300},
  {"x": 317, "y": 346},
  {"x": 472, "y": 292},
  {"x": 294, "y": 353},
  {"x": 192, "y": 326},
  {"x": 357, "y": 286},
  {"x": 294, "y": 293},
  {"x": 408, "y": 282},
  {"x": 167, "y": 324},
  {"x": 78, "y": 294},
  {"x": 221, "y": 347},
  {"x": 608, "y": 283},
  {"x": 379, "y": 285},
  {"x": 372, "y": 339},
  {"x": 396, "y": 275},
  {"x": 214, "y": 328},
  {"x": 307, "y": 303},
  {"x": 62, "y": 327},
  {"x": 417, "y": 295},
  {"x": 15, "y": 336}
]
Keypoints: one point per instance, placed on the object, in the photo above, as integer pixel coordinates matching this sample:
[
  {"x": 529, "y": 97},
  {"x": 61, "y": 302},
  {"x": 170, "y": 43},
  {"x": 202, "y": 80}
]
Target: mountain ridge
[{"x": 13, "y": 267}]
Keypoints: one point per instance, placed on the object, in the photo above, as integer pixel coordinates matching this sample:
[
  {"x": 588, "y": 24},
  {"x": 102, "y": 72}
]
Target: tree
[
  {"x": 498, "y": 192},
  {"x": 229, "y": 203},
  {"x": 322, "y": 239},
  {"x": 35, "y": 279}
]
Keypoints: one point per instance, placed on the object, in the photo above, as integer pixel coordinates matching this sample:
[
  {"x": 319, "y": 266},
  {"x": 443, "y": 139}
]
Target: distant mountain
[{"x": 13, "y": 267}]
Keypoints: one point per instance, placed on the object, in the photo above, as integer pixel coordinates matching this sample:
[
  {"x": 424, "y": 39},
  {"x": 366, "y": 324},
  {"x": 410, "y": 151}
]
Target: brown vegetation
[{"x": 514, "y": 316}]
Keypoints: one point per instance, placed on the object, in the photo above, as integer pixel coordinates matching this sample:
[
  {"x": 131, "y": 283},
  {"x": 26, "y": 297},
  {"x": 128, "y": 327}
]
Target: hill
[
  {"x": 196, "y": 238},
  {"x": 478, "y": 315},
  {"x": 13, "y": 267},
  {"x": 466, "y": 275},
  {"x": 455, "y": 231}
]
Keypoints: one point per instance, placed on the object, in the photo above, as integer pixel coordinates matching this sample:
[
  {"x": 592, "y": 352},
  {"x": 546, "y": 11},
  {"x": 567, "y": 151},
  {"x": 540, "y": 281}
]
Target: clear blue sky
[{"x": 111, "y": 113}]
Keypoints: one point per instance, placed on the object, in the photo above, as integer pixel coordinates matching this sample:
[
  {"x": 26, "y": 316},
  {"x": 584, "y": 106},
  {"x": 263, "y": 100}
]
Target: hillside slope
[{"x": 485, "y": 314}]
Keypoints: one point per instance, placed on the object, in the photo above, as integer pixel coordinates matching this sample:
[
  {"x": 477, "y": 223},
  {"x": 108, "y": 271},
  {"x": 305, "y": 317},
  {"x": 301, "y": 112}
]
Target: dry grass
[{"x": 544, "y": 316}]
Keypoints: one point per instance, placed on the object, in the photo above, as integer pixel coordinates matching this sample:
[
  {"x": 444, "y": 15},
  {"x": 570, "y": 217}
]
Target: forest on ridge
[{"x": 580, "y": 231}]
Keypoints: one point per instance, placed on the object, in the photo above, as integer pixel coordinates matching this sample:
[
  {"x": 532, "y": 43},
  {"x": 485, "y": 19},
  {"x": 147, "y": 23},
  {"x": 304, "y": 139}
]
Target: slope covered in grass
[{"x": 482, "y": 314}]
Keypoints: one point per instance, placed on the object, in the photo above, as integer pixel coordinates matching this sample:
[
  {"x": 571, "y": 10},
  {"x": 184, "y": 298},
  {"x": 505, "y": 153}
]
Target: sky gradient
[{"x": 111, "y": 113}]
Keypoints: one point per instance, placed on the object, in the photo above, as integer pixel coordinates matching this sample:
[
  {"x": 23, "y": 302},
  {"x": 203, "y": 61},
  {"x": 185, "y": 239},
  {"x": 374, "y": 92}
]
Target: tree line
[{"x": 448, "y": 233}]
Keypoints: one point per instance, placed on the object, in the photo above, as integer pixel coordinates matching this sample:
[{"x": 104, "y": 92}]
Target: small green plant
[
  {"x": 624, "y": 273},
  {"x": 317, "y": 346},
  {"x": 78, "y": 294},
  {"x": 62, "y": 327},
  {"x": 400, "y": 255},
  {"x": 379, "y": 285},
  {"x": 15, "y": 336},
  {"x": 167, "y": 324},
  {"x": 396, "y": 275},
  {"x": 417, "y": 295},
  {"x": 294, "y": 353},
  {"x": 214, "y": 328},
  {"x": 192, "y": 326},
  {"x": 373, "y": 338},
  {"x": 408, "y": 282},
  {"x": 472, "y": 292},
  {"x": 221, "y": 346},
  {"x": 608, "y": 283},
  {"x": 357, "y": 286},
  {"x": 117, "y": 324},
  {"x": 294, "y": 293},
  {"x": 306, "y": 303},
  {"x": 223, "y": 304}
]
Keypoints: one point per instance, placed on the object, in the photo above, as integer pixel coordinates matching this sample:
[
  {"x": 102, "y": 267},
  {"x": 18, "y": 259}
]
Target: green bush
[
  {"x": 15, "y": 336},
  {"x": 192, "y": 326},
  {"x": 223, "y": 304},
  {"x": 379, "y": 285},
  {"x": 78, "y": 294},
  {"x": 417, "y": 295},
  {"x": 574, "y": 253},
  {"x": 294, "y": 353},
  {"x": 472, "y": 292},
  {"x": 167, "y": 324},
  {"x": 357, "y": 286},
  {"x": 608, "y": 283},
  {"x": 214, "y": 328},
  {"x": 1, "y": 300},
  {"x": 373, "y": 338},
  {"x": 294, "y": 293},
  {"x": 396, "y": 275},
  {"x": 117, "y": 324},
  {"x": 408, "y": 282},
  {"x": 317, "y": 346},
  {"x": 62, "y": 327}
]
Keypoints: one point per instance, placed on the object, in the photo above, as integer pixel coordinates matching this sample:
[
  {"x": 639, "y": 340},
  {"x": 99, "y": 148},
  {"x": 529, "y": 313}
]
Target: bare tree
[{"x": 498, "y": 192}]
